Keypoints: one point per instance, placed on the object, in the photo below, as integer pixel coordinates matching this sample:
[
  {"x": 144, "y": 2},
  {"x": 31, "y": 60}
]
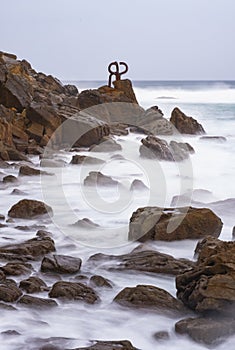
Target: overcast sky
[{"x": 159, "y": 39}]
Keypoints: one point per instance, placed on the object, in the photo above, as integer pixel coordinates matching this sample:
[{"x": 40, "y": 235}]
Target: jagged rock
[
  {"x": 28, "y": 250},
  {"x": 153, "y": 122},
  {"x": 97, "y": 178},
  {"x": 100, "y": 281},
  {"x": 138, "y": 185},
  {"x": 168, "y": 224},
  {"x": 209, "y": 285},
  {"x": 209, "y": 331},
  {"x": 122, "y": 92},
  {"x": 35, "y": 302},
  {"x": 16, "y": 269},
  {"x": 29, "y": 209},
  {"x": 85, "y": 160},
  {"x": 9, "y": 292},
  {"x": 73, "y": 291},
  {"x": 150, "y": 297},
  {"x": 146, "y": 260},
  {"x": 154, "y": 148},
  {"x": 85, "y": 223},
  {"x": 184, "y": 124},
  {"x": 33, "y": 285},
  {"x": 61, "y": 264}
]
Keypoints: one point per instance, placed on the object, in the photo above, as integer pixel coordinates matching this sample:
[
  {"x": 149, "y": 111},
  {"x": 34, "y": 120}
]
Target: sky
[{"x": 159, "y": 39}]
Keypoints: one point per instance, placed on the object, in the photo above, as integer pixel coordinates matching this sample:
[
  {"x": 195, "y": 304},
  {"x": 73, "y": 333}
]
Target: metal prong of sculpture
[{"x": 116, "y": 73}]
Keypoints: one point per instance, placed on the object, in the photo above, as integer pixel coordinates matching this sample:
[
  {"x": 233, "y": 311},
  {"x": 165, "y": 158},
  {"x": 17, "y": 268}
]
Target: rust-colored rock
[
  {"x": 184, "y": 124},
  {"x": 169, "y": 224}
]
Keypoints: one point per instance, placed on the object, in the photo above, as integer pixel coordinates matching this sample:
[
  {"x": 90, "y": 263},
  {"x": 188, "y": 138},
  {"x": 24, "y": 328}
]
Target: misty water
[{"x": 210, "y": 171}]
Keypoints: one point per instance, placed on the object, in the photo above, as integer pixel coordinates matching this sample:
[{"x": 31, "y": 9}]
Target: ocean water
[{"x": 209, "y": 175}]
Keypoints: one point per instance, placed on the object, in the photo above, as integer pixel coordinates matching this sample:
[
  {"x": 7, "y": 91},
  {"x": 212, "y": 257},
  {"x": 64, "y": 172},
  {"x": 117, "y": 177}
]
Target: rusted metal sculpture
[{"x": 116, "y": 73}]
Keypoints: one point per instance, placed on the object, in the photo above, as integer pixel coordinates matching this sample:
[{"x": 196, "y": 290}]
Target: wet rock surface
[
  {"x": 9, "y": 292},
  {"x": 209, "y": 286},
  {"x": 29, "y": 209},
  {"x": 16, "y": 269},
  {"x": 210, "y": 331},
  {"x": 185, "y": 124},
  {"x": 33, "y": 285},
  {"x": 100, "y": 281},
  {"x": 150, "y": 297},
  {"x": 85, "y": 160},
  {"x": 143, "y": 261},
  {"x": 61, "y": 264},
  {"x": 73, "y": 291},
  {"x": 35, "y": 302},
  {"x": 168, "y": 224}
]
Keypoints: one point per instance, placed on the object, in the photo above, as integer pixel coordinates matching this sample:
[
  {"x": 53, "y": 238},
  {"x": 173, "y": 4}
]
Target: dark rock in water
[
  {"x": 10, "y": 332},
  {"x": 209, "y": 286},
  {"x": 233, "y": 232},
  {"x": 161, "y": 336},
  {"x": 29, "y": 227},
  {"x": 73, "y": 291},
  {"x": 184, "y": 124},
  {"x": 109, "y": 345},
  {"x": 156, "y": 148},
  {"x": 138, "y": 185},
  {"x": 106, "y": 145},
  {"x": 18, "y": 192},
  {"x": 61, "y": 264},
  {"x": 168, "y": 224},
  {"x": 150, "y": 297},
  {"x": 85, "y": 223},
  {"x": 97, "y": 178},
  {"x": 143, "y": 261},
  {"x": 29, "y": 209},
  {"x": 28, "y": 250},
  {"x": 9, "y": 179},
  {"x": 86, "y": 160},
  {"x": 9, "y": 292},
  {"x": 210, "y": 331},
  {"x": 28, "y": 171},
  {"x": 33, "y": 285},
  {"x": 100, "y": 281},
  {"x": 2, "y": 217},
  {"x": 7, "y": 307},
  {"x": 36, "y": 303},
  {"x": 16, "y": 269},
  {"x": 213, "y": 138}
]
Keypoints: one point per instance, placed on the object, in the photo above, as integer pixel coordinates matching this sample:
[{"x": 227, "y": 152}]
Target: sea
[{"x": 206, "y": 179}]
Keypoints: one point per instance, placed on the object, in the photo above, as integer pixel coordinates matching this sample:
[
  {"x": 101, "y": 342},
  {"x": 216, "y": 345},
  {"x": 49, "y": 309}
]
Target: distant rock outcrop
[{"x": 184, "y": 124}]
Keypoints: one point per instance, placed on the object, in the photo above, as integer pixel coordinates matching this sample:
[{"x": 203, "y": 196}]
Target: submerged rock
[
  {"x": 73, "y": 291},
  {"x": 109, "y": 345},
  {"x": 61, "y": 264},
  {"x": 86, "y": 160},
  {"x": 143, "y": 261},
  {"x": 106, "y": 145},
  {"x": 16, "y": 269},
  {"x": 184, "y": 124},
  {"x": 169, "y": 224},
  {"x": 29, "y": 209},
  {"x": 100, "y": 281},
  {"x": 209, "y": 286},
  {"x": 36, "y": 303},
  {"x": 28, "y": 171},
  {"x": 150, "y": 297},
  {"x": 97, "y": 178}
]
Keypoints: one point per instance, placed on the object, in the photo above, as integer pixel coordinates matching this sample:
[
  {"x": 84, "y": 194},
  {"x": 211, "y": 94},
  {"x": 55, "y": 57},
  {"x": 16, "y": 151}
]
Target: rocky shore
[{"x": 35, "y": 274}]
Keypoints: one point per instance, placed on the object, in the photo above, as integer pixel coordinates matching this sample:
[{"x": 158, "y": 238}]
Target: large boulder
[
  {"x": 36, "y": 303},
  {"x": 153, "y": 122},
  {"x": 185, "y": 124},
  {"x": 209, "y": 286},
  {"x": 33, "y": 285},
  {"x": 29, "y": 209},
  {"x": 149, "y": 297},
  {"x": 169, "y": 224},
  {"x": 9, "y": 291},
  {"x": 74, "y": 291}
]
